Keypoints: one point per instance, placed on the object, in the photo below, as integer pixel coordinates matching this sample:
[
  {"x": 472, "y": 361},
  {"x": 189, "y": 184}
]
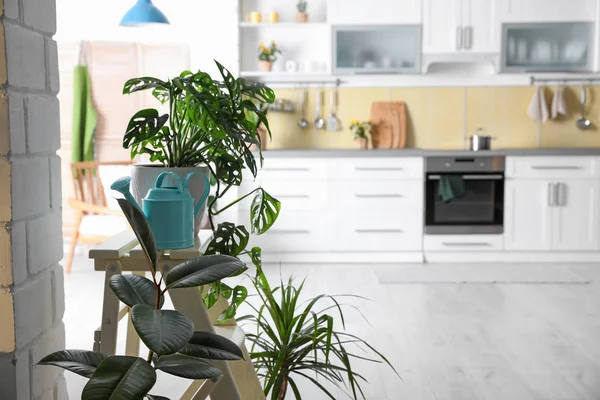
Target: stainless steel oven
[{"x": 464, "y": 195}]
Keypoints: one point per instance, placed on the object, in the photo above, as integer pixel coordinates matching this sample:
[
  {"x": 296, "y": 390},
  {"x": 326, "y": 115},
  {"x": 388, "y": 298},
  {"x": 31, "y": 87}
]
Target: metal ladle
[
  {"x": 582, "y": 122},
  {"x": 319, "y": 121},
  {"x": 303, "y": 123}
]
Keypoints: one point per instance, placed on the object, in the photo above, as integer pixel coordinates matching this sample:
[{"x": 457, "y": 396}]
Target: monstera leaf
[
  {"x": 228, "y": 239},
  {"x": 143, "y": 126},
  {"x": 263, "y": 211}
]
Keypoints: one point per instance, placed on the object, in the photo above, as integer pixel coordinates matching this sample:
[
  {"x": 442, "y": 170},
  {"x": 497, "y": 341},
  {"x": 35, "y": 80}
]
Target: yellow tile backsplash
[{"x": 441, "y": 118}]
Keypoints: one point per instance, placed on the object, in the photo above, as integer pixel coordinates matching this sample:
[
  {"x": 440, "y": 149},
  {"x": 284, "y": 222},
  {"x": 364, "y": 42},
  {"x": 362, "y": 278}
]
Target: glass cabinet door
[
  {"x": 548, "y": 47},
  {"x": 376, "y": 49}
]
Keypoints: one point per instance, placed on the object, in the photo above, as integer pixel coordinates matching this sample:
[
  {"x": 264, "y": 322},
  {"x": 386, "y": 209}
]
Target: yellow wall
[{"x": 438, "y": 118}]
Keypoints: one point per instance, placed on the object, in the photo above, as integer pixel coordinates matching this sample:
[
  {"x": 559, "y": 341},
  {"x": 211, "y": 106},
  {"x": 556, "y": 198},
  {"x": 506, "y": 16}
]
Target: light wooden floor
[{"x": 447, "y": 341}]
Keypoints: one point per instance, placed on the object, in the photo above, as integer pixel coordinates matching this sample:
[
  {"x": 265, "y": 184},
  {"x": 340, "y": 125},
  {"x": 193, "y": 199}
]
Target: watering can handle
[
  {"x": 204, "y": 194},
  {"x": 161, "y": 177}
]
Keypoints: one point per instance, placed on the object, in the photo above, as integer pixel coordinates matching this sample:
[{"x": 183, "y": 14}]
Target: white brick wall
[{"x": 37, "y": 286}]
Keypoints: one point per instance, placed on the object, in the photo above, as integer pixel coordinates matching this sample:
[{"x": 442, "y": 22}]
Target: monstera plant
[
  {"x": 213, "y": 124},
  {"x": 175, "y": 347}
]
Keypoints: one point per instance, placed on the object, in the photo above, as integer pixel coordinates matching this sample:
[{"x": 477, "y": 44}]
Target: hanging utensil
[
  {"x": 303, "y": 123},
  {"x": 582, "y": 122},
  {"x": 319, "y": 121},
  {"x": 333, "y": 123}
]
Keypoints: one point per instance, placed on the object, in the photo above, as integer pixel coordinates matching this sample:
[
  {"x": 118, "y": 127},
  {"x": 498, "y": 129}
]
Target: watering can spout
[{"x": 122, "y": 185}]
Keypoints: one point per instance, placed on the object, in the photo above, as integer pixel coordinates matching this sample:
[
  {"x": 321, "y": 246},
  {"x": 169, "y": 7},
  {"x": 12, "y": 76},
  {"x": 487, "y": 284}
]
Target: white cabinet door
[
  {"x": 442, "y": 26},
  {"x": 374, "y": 12},
  {"x": 481, "y": 26},
  {"x": 527, "y": 215},
  {"x": 548, "y": 10},
  {"x": 576, "y": 220}
]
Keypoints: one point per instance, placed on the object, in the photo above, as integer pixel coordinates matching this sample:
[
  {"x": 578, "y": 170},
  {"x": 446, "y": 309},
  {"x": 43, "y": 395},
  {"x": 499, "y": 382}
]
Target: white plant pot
[{"x": 143, "y": 178}]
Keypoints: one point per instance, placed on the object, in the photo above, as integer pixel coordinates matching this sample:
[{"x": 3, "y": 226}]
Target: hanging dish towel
[
  {"x": 451, "y": 187},
  {"x": 538, "y": 108},
  {"x": 84, "y": 116},
  {"x": 558, "y": 104}
]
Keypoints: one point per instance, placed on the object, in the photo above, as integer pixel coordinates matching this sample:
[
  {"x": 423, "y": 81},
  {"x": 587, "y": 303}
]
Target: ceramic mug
[
  {"x": 255, "y": 17},
  {"x": 273, "y": 17},
  {"x": 291, "y": 66}
]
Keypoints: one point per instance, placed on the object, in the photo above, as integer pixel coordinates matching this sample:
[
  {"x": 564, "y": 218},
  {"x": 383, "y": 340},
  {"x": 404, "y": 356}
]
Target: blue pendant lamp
[{"x": 143, "y": 13}]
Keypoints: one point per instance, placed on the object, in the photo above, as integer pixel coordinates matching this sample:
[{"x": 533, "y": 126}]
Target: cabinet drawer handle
[
  {"x": 379, "y": 196},
  {"x": 468, "y": 37},
  {"x": 379, "y": 169},
  {"x": 551, "y": 195},
  {"x": 378, "y": 231},
  {"x": 556, "y": 167},
  {"x": 459, "y": 38},
  {"x": 561, "y": 194},
  {"x": 460, "y": 244},
  {"x": 288, "y": 169},
  {"x": 289, "y": 231}
]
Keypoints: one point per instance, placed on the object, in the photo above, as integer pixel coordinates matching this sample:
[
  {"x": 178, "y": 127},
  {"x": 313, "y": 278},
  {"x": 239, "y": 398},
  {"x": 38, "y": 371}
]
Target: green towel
[
  {"x": 451, "y": 187},
  {"x": 84, "y": 116}
]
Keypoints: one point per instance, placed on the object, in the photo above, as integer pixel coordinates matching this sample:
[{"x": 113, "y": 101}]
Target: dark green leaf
[
  {"x": 81, "y": 362},
  {"x": 142, "y": 231},
  {"x": 120, "y": 378},
  {"x": 145, "y": 125},
  {"x": 263, "y": 212},
  {"x": 138, "y": 84},
  {"x": 155, "y": 397},
  {"x": 257, "y": 90},
  {"x": 228, "y": 239},
  {"x": 212, "y": 346},
  {"x": 134, "y": 289},
  {"x": 202, "y": 270},
  {"x": 163, "y": 331},
  {"x": 256, "y": 257},
  {"x": 187, "y": 367},
  {"x": 239, "y": 295}
]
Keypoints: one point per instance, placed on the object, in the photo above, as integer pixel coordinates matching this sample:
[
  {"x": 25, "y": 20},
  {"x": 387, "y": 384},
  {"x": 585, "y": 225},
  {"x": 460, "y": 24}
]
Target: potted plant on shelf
[
  {"x": 267, "y": 56},
  {"x": 205, "y": 130},
  {"x": 174, "y": 346},
  {"x": 295, "y": 340},
  {"x": 302, "y": 15},
  {"x": 361, "y": 131}
]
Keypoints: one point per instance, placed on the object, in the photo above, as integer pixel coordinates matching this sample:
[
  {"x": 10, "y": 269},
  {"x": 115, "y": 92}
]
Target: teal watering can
[{"x": 170, "y": 211}]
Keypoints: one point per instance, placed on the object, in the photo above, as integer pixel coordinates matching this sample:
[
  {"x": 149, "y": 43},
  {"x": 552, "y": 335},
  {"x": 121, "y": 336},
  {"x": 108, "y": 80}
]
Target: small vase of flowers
[
  {"x": 361, "y": 131},
  {"x": 302, "y": 15},
  {"x": 267, "y": 56}
]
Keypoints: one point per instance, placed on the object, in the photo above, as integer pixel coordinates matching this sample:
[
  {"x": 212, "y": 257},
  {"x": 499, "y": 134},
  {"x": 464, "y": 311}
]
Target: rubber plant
[
  {"x": 211, "y": 122},
  {"x": 174, "y": 345},
  {"x": 294, "y": 340}
]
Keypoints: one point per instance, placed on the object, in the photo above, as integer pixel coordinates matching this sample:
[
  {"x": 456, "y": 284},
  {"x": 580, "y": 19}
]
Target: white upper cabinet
[
  {"x": 548, "y": 10},
  {"x": 576, "y": 221},
  {"x": 374, "y": 11},
  {"x": 460, "y": 26},
  {"x": 527, "y": 216}
]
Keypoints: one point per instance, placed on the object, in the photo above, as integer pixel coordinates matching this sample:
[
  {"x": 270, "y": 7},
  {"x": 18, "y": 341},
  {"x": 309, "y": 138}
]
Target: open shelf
[{"x": 284, "y": 25}]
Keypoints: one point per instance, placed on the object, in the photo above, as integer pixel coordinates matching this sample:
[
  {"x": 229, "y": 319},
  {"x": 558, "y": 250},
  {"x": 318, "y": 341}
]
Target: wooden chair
[{"x": 95, "y": 221}]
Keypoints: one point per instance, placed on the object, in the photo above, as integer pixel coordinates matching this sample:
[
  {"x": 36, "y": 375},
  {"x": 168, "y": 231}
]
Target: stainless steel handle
[
  {"x": 551, "y": 195},
  {"x": 468, "y": 37},
  {"x": 379, "y": 169},
  {"x": 289, "y": 231},
  {"x": 459, "y": 37},
  {"x": 287, "y": 169},
  {"x": 292, "y": 196},
  {"x": 461, "y": 244},
  {"x": 378, "y": 230},
  {"x": 482, "y": 177},
  {"x": 561, "y": 194},
  {"x": 379, "y": 196},
  {"x": 556, "y": 167}
]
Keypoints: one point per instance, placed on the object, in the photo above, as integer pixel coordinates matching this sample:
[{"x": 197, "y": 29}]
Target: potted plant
[
  {"x": 174, "y": 345},
  {"x": 361, "y": 131},
  {"x": 295, "y": 340},
  {"x": 205, "y": 130},
  {"x": 301, "y": 15},
  {"x": 267, "y": 56}
]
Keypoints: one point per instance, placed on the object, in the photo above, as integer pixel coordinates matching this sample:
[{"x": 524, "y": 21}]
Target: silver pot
[{"x": 479, "y": 142}]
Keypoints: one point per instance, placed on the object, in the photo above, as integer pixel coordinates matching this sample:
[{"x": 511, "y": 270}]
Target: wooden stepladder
[{"x": 122, "y": 254}]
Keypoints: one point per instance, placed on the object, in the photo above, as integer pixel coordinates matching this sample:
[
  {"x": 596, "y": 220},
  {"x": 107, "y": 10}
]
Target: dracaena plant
[
  {"x": 295, "y": 340},
  {"x": 175, "y": 347},
  {"x": 213, "y": 123}
]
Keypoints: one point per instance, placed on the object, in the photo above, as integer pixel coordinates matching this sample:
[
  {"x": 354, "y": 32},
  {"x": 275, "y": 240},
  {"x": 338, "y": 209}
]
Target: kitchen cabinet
[
  {"x": 374, "y": 12},
  {"x": 547, "y": 10},
  {"x": 460, "y": 26},
  {"x": 552, "y": 215}
]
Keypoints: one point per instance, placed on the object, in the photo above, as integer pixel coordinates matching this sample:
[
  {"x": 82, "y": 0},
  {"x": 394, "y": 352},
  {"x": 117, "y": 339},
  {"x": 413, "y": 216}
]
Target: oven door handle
[{"x": 497, "y": 177}]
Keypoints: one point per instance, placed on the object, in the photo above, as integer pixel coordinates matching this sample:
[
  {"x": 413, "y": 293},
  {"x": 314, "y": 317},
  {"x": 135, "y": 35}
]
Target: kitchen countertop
[{"x": 331, "y": 153}]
